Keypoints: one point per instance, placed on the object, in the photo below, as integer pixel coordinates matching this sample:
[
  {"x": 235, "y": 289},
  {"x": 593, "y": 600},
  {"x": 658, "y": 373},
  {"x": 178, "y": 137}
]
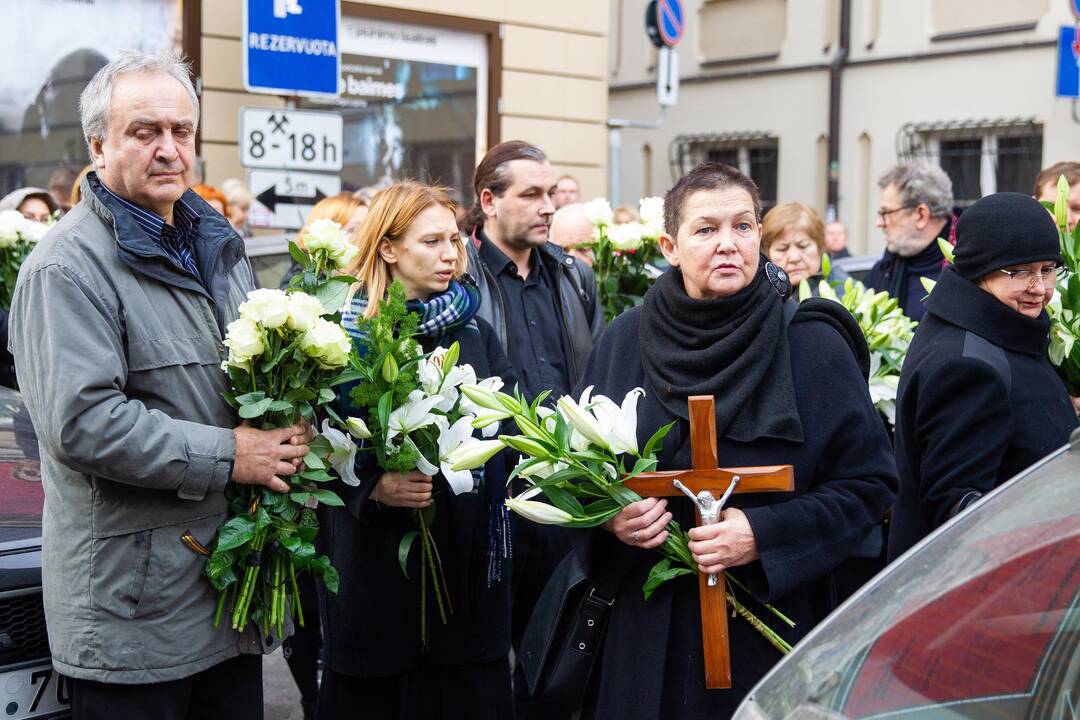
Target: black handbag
[{"x": 564, "y": 635}]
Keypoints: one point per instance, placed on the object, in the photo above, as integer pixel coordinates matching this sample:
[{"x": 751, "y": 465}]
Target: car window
[{"x": 981, "y": 621}]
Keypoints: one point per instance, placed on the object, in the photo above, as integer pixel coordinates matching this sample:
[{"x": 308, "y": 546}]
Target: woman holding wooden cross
[{"x": 789, "y": 390}]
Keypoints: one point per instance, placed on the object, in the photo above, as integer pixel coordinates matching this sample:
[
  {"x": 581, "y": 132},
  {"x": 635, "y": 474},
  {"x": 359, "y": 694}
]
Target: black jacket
[
  {"x": 978, "y": 402},
  {"x": 902, "y": 277},
  {"x": 845, "y": 478},
  {"x": 582, "y": 314},
  {"x": 372, "y": 626}
]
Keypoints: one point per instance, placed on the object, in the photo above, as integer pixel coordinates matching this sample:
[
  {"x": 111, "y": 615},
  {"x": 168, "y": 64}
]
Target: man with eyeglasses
[{"x": 916, "y": 208}]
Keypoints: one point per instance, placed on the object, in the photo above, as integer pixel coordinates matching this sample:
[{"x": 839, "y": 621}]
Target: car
[
  {"x": 980, "y": 620},
  {"x": 29, "y": 686}
]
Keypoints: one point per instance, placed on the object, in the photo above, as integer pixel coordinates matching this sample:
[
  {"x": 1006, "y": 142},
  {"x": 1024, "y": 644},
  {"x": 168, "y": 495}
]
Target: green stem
[
  {"x": 769, "y": 634},
  {"x": 296, "y": 595},
  {"x": 220, "y": 606}
]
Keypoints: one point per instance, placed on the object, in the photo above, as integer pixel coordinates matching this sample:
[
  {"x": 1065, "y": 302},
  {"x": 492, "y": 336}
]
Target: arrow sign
[
  {"x": 667, "y": 76},
  {"x": 283, "y": 198},
  {"x": 270, "y": 198}
]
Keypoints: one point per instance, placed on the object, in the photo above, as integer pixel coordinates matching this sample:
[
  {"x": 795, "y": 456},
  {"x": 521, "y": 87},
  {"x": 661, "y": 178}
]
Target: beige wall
[
  {"x": 554, "y": 79},
  {"x": 894, "y": 79}
]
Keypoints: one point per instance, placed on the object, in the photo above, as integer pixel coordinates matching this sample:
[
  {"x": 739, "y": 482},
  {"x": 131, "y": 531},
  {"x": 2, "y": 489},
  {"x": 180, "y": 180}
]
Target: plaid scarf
[{"x": 441, "y": 314}]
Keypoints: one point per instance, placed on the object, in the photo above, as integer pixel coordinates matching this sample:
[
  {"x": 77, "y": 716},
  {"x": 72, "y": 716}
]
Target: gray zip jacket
[{"x": 118, "y": 354}]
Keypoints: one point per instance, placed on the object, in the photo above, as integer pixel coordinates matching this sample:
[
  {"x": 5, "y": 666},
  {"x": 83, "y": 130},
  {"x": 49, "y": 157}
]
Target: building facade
[{"x": 970, "y": 86}]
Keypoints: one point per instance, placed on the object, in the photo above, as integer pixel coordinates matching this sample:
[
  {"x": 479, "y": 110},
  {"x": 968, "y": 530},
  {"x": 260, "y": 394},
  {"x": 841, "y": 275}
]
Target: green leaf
[
  {"x": 262, "y": 519},
  {"x": 313, "y": 461},
  {"x": 326, "y": 395},
  {"x": 332, "y": 294},
  {"x": 656, "y": 440},
  {"x": 321, "y": 446},
  {"x": 563, "y": 500},
  {"x": 660, "y": 573},
  {"x": 645, "y": 464},
  {"x": 300, "y": 394},
  {"x": 280, "y": 406},
  {"x": 300, "y": 498},
  {"x": 234, "y": 533},
  {"x": 250, "y": 398},
  {"x": 299, "y": 255},
  {"x": 330, "y": 576},
  {"x": 255, "y": 409},
  {"x": 328, "y": 497},
  {"x": 403, "y": 550},
  {"x": 347, "y": 376}
]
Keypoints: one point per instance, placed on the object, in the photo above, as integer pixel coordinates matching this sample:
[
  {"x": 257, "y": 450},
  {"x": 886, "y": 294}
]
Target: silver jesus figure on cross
[{"x": 708, "y": 506}]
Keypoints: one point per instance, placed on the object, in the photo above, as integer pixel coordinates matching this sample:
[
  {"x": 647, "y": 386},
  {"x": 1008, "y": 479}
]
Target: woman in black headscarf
[
  {"x": 978, "y": 400},
  {"x": 788, "y": 390}
]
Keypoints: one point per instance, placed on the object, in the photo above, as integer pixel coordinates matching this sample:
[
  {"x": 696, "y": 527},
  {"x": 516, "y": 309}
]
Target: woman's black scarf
[{"x": 734, "y": 348}]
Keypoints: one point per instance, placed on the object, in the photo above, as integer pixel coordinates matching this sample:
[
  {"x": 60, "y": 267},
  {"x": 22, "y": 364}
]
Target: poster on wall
[
  {"x": 414, "y": 100},
  {"x": 49, "y": 50}
]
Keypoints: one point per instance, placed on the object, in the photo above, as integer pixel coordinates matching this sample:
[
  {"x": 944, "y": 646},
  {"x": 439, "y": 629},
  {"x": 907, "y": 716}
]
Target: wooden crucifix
[{"x": 706, "y": 477}]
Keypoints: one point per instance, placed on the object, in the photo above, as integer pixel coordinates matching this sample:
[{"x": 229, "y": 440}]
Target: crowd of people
[{"x": 116, "y": 330}]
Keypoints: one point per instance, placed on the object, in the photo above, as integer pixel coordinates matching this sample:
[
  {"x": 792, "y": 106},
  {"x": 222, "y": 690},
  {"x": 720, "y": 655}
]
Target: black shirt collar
[{"x": 497, "y": 260}]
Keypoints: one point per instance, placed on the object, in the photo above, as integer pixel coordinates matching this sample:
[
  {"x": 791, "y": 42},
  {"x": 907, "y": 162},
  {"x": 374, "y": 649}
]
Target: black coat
[
  {"x": 978, "y": 402},
  {"x": 372, "y": 625},
  {"x": 652, "y": 664}
]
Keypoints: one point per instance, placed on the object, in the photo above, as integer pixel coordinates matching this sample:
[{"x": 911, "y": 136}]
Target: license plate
[{"x": 33, "y": 692}]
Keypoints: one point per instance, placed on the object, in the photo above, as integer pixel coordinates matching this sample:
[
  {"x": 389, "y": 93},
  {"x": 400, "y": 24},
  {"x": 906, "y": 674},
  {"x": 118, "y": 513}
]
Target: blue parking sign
[
  {"x": 291, "y": 46},
  {"x": 1068, "y": 74}
]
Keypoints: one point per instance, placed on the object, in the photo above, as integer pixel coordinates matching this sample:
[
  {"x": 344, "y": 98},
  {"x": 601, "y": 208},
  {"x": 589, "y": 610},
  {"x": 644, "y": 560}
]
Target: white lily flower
[
  {"x": 581, "y": 419},
  {"x": 343, "y": 456},
  {"x": 539, "y": 512},
  {"x": 471, "y": 455},
  {"x": 619, "y": 424},
  {"x": 542, "y": 470},
  {"x": 451, "y": 438},
  {"x": 413, "y": 415},
  {"x": 422, "y": 463}
]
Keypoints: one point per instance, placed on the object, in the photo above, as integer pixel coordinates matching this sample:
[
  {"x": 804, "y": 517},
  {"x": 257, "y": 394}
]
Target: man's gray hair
[
  {"x": 96, "y": 99},
  {"x": 921, "y": 184}
]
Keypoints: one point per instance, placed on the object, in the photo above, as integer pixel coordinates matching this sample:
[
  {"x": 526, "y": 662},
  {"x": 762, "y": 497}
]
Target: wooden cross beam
[{"x": 706, "y": 476}]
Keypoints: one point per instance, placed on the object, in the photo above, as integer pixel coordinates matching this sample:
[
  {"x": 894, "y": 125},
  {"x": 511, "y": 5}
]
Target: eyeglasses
[
  {"x": 1028, "y": 278},
  {"x": 884, "y": 214}
]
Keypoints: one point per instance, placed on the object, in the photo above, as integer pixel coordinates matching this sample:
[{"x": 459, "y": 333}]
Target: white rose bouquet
[
  {"x": 578, "y": 458},
  {"x": 623, "y": 253},
  {"x": 323, "y": 252},
  {"x": 18, "y": 236},
  {"x": 284, "y": 359}
]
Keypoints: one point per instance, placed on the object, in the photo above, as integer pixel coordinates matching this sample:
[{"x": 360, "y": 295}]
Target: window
[
  {"x": 754, "y": 154},
  {"x": 980, "y": 157}
]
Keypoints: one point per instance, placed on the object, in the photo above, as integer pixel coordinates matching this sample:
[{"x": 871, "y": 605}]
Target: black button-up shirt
[{"x": 536, "y": 343}]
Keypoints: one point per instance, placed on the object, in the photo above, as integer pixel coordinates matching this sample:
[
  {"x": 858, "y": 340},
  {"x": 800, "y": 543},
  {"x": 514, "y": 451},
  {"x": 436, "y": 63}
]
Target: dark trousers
[
  {"x": 302, "y": 649},
  {"x": 433, "y": 692},
  {"x": 231, "y": 689}
]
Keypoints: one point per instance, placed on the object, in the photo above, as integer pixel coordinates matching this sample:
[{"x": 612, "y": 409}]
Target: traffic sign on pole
[
  {"x": 665, "y": 22},
  {"x": 290, "y": 139},
  {"x": 1068, "y": 72},
  {"x": 1075, "y": 5},
  {"x": 667, "y": 76},
  {"x": 291, "y": 49},
  {"x": 284, "y": 198}
]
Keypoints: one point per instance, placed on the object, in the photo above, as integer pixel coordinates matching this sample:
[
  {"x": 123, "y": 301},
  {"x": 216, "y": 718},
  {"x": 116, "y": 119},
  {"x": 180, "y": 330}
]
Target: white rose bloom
[
  {"x": 651, "y": 212},
  {"x": 244, "y": 340},
  {"x": 599, "y": 212},
  {"x": 327, "y": 343},
  {"x": 303, "y": 310},
  {"x": 626, "y": 236},
  {"x": 267, "y": 306},
  {"x": 12, "y": 224},
  {"x": 324, "y": 234},
  {"x": 348, "y": 252},
  {"x": 34, "y": 231}
]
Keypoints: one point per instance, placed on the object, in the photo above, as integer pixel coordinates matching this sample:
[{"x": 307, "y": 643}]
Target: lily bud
[
  {"x": 946, "y": 249},
  {"x": 390, "y": 369},
  {"x": 528, "y": 427},
  {"x": 473, "y": 454},
  {"x": 1061, "y": 205},
  {"x": 539, "y": 512},
  {"x": 525, "y": 445},
  {"x": 358, "y": 428},
  {"x": 483, "y": 397},
  {"x": 484, "y": 419},
  {"x": 450, "y": 358}
]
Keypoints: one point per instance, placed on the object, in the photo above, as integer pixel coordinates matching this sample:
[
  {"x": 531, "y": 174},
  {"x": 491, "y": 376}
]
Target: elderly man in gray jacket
[{"x": 117, "y": 327}]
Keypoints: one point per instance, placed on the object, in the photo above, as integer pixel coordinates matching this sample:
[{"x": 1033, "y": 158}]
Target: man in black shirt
[{"x": 542, "y": 302}]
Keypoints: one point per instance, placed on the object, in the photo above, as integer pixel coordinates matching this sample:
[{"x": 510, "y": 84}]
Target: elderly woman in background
[
  {"x": 788, "y": 390},
  {"x": 978, "y": 400},
  {"x": 793, "y": 237},
  {"x": 238, "y": 201},
  {"x": 33, "y": 202}
]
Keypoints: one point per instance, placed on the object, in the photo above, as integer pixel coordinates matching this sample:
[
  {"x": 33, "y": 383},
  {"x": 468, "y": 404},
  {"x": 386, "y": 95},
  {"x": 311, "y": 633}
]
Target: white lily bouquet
[
  {"x": 413, "y": 416},
  {"x": 285, "y": 357},
  {"x": 18, "y": 236},
  {"x": 888, "y": 332},
  {"x": 578, "y": 457},
  {"x": 622, "y": 253}
]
